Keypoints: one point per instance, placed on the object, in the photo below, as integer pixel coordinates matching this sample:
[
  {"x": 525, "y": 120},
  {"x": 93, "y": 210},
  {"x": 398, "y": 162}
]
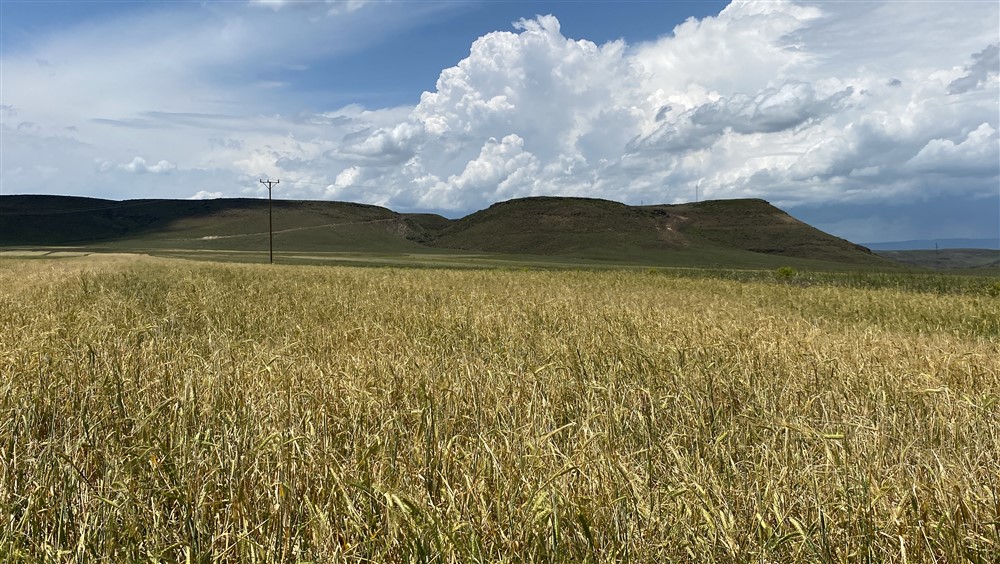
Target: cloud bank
[{"x": 804, "y": 104}]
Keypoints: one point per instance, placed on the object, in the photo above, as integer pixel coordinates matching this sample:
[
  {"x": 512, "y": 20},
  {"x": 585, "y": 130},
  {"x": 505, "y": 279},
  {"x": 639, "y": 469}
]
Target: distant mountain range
[
  {"x": 721, "y": 233},
  {"x": 931, "y": 244}
]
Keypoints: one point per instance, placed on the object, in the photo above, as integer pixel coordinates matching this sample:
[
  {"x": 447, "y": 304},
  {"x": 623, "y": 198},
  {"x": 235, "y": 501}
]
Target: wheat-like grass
[{"x": 169, "y": 411}]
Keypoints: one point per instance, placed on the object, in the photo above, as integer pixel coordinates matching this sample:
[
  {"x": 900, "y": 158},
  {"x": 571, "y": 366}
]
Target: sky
[{"x": 874, "y": 121}]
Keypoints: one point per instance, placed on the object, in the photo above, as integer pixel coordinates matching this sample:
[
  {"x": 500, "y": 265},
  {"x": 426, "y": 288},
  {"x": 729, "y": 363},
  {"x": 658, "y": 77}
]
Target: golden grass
[{"x": 167, "y": 410}]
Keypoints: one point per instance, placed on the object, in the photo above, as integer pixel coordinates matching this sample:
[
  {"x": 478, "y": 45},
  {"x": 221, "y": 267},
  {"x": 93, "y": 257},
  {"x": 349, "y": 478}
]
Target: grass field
[
  {"x": 165, "y": 410},
  {"x": 984, "y": 260}
]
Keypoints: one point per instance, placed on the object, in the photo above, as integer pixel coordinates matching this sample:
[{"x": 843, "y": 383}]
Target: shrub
[{"x": 785, "y": 273}]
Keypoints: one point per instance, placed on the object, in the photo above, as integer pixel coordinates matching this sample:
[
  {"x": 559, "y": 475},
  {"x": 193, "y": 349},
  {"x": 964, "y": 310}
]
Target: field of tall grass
[{"x": 162, "y": 410}]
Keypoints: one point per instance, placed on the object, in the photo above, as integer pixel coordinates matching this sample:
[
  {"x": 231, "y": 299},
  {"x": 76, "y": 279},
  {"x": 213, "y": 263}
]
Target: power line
[
  {"x": 290, "y": 229},
  {"x": 270, "y": 227}
]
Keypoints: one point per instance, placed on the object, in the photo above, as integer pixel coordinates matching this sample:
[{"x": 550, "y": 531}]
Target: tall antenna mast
[{"x": 270, "y": 225}]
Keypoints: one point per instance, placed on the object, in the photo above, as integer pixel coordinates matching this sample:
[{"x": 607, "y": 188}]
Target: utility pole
[{"x": 270, "y": 225}]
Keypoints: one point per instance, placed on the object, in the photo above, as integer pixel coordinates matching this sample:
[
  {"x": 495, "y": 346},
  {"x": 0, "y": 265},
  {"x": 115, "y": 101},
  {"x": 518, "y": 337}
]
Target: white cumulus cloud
[
  {"x": 204, "y": 195},
  {"x": 139, "y": 165},
  {"x": 975, "y": 154},
  {"x": 767, "y": 100}
]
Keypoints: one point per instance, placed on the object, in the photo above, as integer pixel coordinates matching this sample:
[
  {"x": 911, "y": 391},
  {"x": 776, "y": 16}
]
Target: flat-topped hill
[{"x": 587, "y": 227}]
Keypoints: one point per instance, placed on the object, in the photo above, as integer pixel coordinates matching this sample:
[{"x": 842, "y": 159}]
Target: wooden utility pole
[{"x": 270, "y": 224}]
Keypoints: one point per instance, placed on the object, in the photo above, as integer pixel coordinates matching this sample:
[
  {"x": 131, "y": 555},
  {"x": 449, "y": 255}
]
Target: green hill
[
  {"x": 223, "y": 224},
  {"x": 592, "y": 228},
  {"x": 560, "y": 226},
  {"x": 757, "y": 226},
  {"x": 726, "y": 234}
]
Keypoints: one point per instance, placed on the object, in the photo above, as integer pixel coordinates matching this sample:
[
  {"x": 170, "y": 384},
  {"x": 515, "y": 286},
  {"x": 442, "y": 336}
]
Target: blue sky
[{"x": 875, "y": 121}]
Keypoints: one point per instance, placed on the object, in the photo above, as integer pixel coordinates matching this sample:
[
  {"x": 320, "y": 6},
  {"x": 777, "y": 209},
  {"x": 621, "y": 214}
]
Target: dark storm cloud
[
  {"x": 942, "y": 215},
  {"x": 985, "y": 63},
  {"x": 771, "y": 110}
]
